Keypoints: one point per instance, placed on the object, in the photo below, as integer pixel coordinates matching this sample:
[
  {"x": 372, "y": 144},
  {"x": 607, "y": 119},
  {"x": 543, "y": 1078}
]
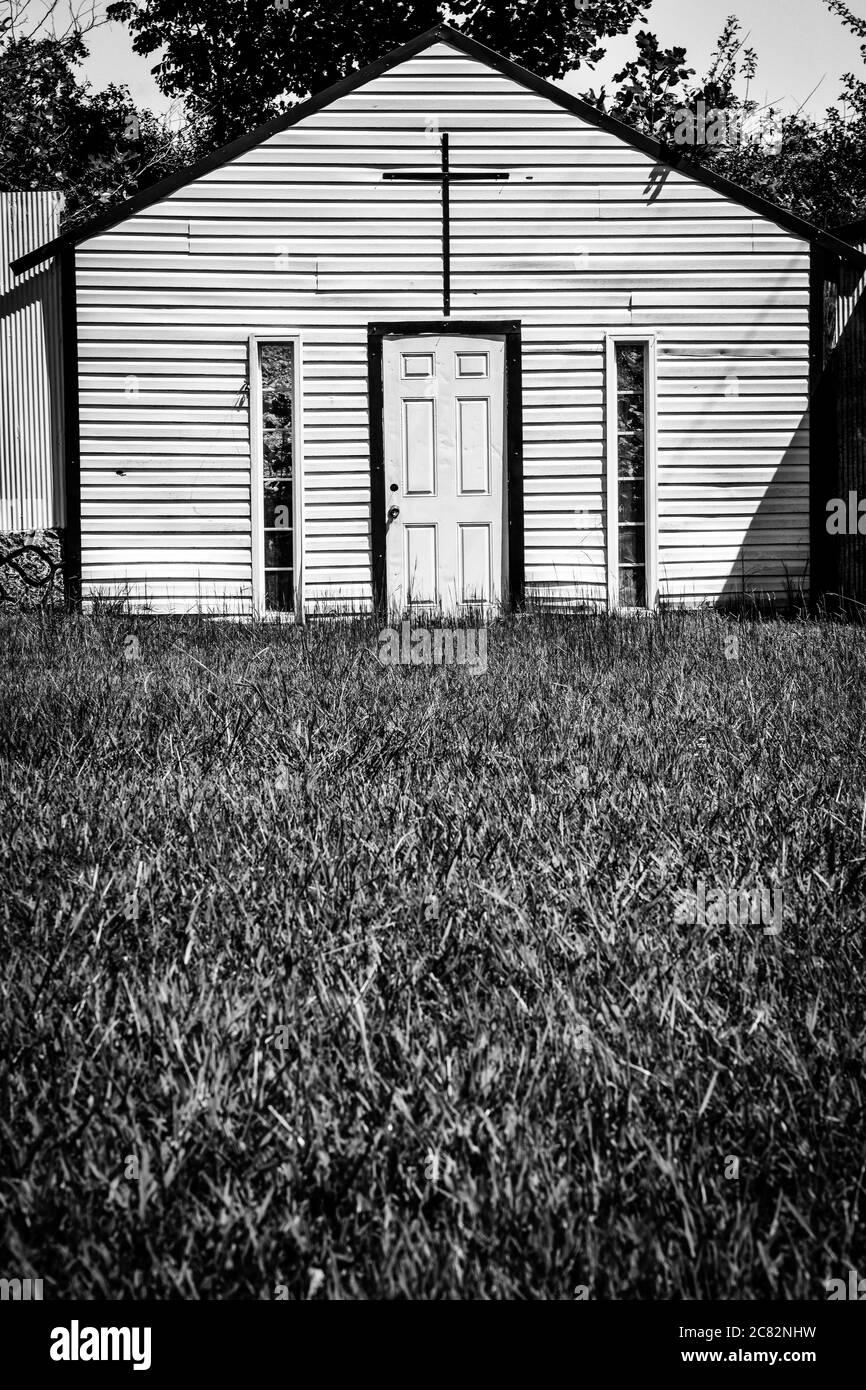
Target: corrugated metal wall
[
  {"x": 31, "y": 373},
  {"x": 848, "y": 367},
  {"x": 301, "y": 235}
]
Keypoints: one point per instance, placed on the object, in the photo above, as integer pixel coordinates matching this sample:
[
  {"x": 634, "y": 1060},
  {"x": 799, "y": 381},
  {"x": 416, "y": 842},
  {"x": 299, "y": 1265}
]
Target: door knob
[{"x": 393, "y": 513}]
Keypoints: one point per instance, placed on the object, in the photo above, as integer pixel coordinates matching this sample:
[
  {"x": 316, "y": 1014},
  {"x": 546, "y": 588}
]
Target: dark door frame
[{"x": 510, "y": 330}]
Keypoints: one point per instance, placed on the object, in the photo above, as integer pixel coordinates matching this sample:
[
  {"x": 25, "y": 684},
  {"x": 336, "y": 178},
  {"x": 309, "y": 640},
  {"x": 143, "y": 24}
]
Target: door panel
[
  {"x": 473, "y": 446},
  {"x": 474, "y": 364},
  {"x": 417, "y": 365},
  {"x": 444, "y": 409},
  {"x": 474, "y": 568},
  {"x": 419, "y": 448},
  {"x": 420, "y": 564}
]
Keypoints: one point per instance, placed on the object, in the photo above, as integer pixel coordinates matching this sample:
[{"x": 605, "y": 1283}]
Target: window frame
[
  {"x": 648, "y": 341},
  {"x": 257, "y": 493}
]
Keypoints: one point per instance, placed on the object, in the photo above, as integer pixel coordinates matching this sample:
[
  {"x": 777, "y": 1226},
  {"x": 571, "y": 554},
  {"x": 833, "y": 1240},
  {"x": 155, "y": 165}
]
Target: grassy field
[{"x": 322, "y": 979}]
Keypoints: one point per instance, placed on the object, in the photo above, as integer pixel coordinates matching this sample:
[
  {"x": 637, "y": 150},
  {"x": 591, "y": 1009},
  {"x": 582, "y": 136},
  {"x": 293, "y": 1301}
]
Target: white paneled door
[{"x": 444, "y": 472}]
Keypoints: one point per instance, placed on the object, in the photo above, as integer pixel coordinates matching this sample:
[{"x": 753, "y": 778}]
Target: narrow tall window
[
  {"x": 277, "y": 376},
  {"x": 631, "y": 472}
]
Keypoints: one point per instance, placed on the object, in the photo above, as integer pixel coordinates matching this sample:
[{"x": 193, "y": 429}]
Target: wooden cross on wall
[{"x": 446, "y": 176}]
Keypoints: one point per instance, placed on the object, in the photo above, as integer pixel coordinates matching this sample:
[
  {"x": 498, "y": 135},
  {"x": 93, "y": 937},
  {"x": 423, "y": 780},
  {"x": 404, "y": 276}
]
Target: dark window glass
[
  {"x": 278, "y": 365},
  {"x": 278, "y": 550},
  {"x": 632, "y": 588},
  {"x": 631, "y": 503},
  {"x": 631, "y": 545},
  {"x": 278, "y": 504},
  {"x": 630, "y": 367},
  {"x": 630, "y": 413},
  {"x": 277, "y": 453},
  {"x": 632, "y": 453},
  {"x": 631, "y": 472},
  {"x": 279, "y": 591},
  {"x": 278, "y": 438}
]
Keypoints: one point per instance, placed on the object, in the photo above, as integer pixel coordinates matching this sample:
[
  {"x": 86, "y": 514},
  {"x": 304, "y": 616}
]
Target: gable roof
[{"x": 442, "y": 33}]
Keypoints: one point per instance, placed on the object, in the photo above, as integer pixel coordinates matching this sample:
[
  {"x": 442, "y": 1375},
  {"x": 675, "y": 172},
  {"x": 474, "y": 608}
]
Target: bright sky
[{"x": 800, "y": 44}]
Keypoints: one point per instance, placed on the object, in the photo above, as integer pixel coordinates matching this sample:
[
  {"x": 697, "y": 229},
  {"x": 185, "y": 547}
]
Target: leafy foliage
[
  {"x": 818, "y": 169},
  {"x": 854, "y": 88},
  {"x": 650, "y": 87},
  {"x": 238, "y": 63},
  {"x": 815, "y": 168},
  {"x": 55, "y": 132}
]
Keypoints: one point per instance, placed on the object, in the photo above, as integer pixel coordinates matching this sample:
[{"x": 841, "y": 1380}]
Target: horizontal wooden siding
[{"x": 302, "y": 235}]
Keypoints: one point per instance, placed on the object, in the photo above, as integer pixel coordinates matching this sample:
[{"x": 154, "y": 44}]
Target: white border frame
[
  {"x": 257, "y": 505},
  {"x": 647, "y": 341}
]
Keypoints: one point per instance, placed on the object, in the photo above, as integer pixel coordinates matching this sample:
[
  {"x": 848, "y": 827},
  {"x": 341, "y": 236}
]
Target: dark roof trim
[
  {"x": 664, "y": 154},
  {"x": 147, "y": 196}
]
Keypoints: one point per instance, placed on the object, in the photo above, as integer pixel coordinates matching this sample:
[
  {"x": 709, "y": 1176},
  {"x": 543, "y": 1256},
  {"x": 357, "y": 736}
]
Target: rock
[{"x": 31, "y": 569}]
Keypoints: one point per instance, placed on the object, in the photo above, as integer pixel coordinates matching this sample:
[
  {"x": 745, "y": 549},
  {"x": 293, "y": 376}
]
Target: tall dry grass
[{"x": 324, "y": 979}]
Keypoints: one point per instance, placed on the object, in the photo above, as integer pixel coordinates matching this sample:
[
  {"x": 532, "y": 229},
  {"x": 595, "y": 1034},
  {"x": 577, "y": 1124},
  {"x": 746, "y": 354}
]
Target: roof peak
[{"x": 472, "y": 48}]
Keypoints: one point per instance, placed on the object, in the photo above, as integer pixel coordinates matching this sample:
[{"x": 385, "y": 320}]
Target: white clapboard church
[{"x": 442, "y": 335}]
